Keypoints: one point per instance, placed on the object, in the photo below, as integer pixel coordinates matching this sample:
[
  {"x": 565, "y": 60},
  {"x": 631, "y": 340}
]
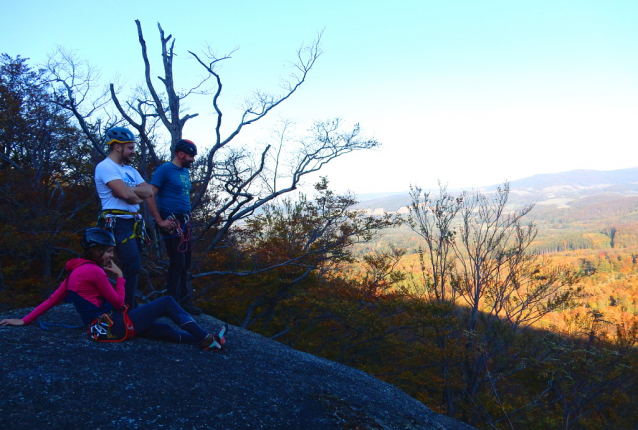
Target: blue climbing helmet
[
  {"x": 119, "y": 135},
  {"x": 186, "y": 146},
  {"x": 97, "y": 236}
]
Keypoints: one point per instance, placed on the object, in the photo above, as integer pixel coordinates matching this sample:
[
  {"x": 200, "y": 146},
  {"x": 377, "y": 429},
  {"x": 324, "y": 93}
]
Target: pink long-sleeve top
[{"x": 88, "y": 288}]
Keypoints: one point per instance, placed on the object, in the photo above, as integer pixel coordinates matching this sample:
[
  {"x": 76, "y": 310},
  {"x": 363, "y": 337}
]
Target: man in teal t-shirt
[{"x": 171, "y": 209}]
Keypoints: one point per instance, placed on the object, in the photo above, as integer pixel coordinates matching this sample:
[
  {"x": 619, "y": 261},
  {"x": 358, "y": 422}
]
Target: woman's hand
[
  {"x": 12, "y": 321},
  {"x": 112, "y": 268}
]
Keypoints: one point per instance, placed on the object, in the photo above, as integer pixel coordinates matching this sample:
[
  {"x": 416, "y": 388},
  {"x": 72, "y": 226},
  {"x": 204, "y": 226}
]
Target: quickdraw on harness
[
  {"x": 184, "y": 233},
  {"x": 100, "y": 330},
  {"x": 218, "y": 341},
  {"x": 139, "y": 228}
]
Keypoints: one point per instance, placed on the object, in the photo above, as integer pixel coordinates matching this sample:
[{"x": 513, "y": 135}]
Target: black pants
[{"x": 179, "y": 253}]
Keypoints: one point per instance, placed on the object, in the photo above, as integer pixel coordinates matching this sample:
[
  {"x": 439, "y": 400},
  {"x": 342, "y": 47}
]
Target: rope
[
  {"x": 184, "y": 238},
  {"x": 47, "y": 326}
]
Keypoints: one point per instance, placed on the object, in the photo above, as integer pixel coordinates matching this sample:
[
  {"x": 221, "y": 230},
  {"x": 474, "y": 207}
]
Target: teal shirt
[{"x": 174, "y": 195}]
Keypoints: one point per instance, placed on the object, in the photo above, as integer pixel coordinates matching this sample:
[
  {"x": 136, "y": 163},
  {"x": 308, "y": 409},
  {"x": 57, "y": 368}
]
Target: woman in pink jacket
[{"x": 87, "y": 286}]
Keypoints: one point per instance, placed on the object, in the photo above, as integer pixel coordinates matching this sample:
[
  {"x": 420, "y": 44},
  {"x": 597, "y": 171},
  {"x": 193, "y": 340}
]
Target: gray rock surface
[{"x": 59, "y": 379}]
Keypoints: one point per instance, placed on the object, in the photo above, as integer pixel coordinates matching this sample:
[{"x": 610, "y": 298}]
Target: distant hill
[
  {"x": 374, "y": 196},
  {"x": 563, "y": 190},
  {"x": 579, "y": 179},
  {"x": 388, "y": 204}
]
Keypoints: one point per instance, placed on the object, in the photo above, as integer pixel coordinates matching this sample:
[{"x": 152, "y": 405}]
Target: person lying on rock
[{"x": 102, "y": 307}]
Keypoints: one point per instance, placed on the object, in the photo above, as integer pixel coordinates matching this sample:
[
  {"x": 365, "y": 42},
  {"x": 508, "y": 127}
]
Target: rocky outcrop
[{"x": 59, "y": 379}]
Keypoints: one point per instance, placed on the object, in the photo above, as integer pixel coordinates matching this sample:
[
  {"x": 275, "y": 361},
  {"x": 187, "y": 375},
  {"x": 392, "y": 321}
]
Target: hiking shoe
[
  {"x": 189, "y": 307},
  {"x": 215, "y": 342}
]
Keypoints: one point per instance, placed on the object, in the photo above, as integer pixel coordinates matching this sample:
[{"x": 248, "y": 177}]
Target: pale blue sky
[{"x": 466, "y": 92}]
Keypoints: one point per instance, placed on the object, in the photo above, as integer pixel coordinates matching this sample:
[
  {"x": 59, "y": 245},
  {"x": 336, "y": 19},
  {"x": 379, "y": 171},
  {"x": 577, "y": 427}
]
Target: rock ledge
[{"x": 59, "y": 379}]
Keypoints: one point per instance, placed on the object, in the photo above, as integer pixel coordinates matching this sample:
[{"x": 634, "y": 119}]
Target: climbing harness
[
  {"x": 218, "y": 341},
  {"x": 100, "y": 330},
  {"x": 184, "y": 233},
  {"x": 108, "y": 218}
]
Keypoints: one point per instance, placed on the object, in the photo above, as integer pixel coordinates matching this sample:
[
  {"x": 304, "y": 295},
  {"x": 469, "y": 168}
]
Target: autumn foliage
[{"x": 486, "y": 321}]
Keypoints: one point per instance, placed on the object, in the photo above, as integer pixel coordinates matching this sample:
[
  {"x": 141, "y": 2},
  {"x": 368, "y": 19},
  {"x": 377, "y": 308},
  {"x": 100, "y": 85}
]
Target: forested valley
[{"x": 500, "y": 314}]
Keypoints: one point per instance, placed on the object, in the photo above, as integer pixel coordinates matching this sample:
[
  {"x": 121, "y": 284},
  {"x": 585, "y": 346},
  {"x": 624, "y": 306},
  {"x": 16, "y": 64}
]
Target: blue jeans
[
  {"x": 129, "y": 256},
  {"x": 144, "y": 320}
]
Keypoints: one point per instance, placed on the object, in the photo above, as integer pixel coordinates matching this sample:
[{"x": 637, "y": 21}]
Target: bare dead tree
[
  {"x": 145, "y": 126},
  {"x": 326, "y": 143},
  {"x": 75, "y": 84},
  {"x": 490, "y": 239},
  {"x": 304, "y": 237},
  {"x": 432, "y": 218},
  {"x": 254, "y": 109},
  {"x": 282, "y": 134},
  {"x": 477, "y": 247},
  {"x": 231, "y": 181},
  {"x": 230, "y": 184},
  {"x": 168, "y": 110},
  {"x": 506, "y": 288}
]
